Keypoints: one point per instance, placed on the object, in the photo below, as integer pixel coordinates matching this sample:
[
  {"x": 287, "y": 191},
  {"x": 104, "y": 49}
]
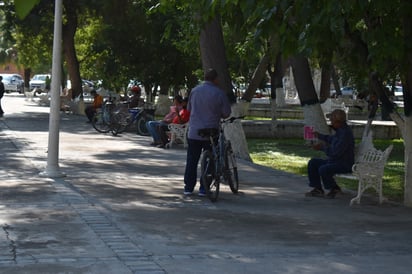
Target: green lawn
[{"x": 292, "y": 155}]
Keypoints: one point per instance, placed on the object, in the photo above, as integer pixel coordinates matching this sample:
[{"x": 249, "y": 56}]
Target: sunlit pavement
[{"x": 120, "y": 209}]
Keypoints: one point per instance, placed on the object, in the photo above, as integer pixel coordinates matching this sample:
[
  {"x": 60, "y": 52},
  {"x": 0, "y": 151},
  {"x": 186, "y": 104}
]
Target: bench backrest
[
  {"x": 372, "y": 162},
  {"x": 365, "y": 145}
]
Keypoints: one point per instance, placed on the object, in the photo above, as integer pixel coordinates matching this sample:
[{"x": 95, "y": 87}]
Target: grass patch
[
  {"x": 255, "y": 118},
  {"x": 292, "y": 155}
]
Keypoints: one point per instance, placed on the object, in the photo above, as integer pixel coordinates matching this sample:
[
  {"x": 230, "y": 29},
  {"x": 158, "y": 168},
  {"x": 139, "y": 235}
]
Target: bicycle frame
[
  {"x": 218, "y": 148},
  {"x": 139, "y": 116},
  {"x": 218, "y": 163},
  {"x": 134, "y": 113}
]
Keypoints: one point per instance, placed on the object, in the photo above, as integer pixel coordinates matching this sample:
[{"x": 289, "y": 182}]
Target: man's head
[
  {"x": 177, "y": 100},
  {"x": 211, "y": 75},
  {"x": 337, "y": 118},
  {"x": 93, "y": 93},
  {"x": 136, "y": 90}
]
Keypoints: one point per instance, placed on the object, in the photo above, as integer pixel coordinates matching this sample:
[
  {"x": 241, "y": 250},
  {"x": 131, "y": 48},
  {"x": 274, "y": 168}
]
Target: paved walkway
[{"x": 120, "y": 209}]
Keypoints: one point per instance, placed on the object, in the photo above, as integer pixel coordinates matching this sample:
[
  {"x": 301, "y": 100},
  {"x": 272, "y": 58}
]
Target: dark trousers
[
  {"x": 194, "y": 151},
  {"x": 162, "y": 131},
  {"x": 1, "y": 110},
  {"x": 322, "y": 171},
  {"x": 90, "y": 112}
]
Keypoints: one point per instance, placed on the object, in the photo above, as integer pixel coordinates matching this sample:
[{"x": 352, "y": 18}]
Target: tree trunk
[
  {"x": 312, "y": 112},
  {"x": 27, "y": 72},
  {"x": 213, "y": 53},
  {"x": 324, "y": 93},
  {"x": 335, "y": 80},
  {"x": 69, "y": 30},
  {"x": 256, "y": 79},
  {"x": 408, "y": 161},
  {"x": 407, "y": 95},
  {"x": 212, "y": 50},
  {"x": 277, "y": 92}
]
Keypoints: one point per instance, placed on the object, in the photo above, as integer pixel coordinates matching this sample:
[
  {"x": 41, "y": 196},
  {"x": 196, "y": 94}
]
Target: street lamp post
[{"x": 52, "y": 169}]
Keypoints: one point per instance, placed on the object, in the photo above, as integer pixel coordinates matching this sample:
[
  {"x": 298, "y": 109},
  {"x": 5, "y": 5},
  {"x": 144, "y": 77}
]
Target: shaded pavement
[{"x": 120, "y": 209}]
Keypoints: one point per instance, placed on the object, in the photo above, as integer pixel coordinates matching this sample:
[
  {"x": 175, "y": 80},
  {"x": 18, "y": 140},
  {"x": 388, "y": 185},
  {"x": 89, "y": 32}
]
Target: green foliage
[
  {"x": 87, "y": 40},
  {"x": 135, "y": 44},
  {"x": 157, "y": 41},
  {"x": 30, "y": 35},
  {"x": 23, "y": 7}
]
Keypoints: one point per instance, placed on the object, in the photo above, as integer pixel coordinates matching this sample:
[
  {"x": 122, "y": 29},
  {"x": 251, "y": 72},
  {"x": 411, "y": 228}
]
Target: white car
[
  {"x": 13, "y": 82},
  {"x": 38, "y": 82},
  {"x": 397, "y": 92}
]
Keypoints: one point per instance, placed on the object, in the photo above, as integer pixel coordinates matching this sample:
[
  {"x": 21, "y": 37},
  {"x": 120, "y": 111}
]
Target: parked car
[
  {"x": 13, "y": 82},
  {"x": 348, "y": 92},
  {"x": 87, "y": 86},
  {"x": 397, "y": 92},
  {"x": 263, "y": 92},
  {"x": 38, "y": 82}
]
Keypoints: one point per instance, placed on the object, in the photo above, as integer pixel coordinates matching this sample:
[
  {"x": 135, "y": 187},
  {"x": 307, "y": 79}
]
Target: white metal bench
[
  {"x": 369, "y": 171},
  {"x": 29, "y": 95},
  {"x": 44, "y": 99},
  {"x": 178, "y": 134},
  {"x": 368, "y": 168}
]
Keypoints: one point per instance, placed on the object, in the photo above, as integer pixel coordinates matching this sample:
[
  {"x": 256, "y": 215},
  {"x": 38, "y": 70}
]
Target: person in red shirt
[
  {"x": 182, "y": 117},
  {"x": 153, "y": 126}
]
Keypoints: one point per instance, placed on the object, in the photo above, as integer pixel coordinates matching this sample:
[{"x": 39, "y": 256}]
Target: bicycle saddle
[{"x": 208, "y": 132}]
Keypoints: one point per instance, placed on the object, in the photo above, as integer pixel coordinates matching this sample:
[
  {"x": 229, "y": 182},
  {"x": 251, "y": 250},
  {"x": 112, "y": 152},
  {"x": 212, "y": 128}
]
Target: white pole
[{"x": 52, "y": 168}]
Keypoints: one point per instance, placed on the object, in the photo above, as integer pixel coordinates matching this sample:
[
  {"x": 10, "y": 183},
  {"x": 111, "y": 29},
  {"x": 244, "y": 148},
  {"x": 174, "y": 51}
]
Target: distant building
[{"x": 11, "y": 68}]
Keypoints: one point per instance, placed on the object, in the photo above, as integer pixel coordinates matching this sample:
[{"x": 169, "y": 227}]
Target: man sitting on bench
[{"x": 339, "y": 149}]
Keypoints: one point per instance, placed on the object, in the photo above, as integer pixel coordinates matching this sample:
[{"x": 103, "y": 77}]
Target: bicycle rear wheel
[
  {"x": 99, "y": 123},
  {"x": 208, "y": 178},
  {"x": 230, "y": 170},
  {"x": 141, "y": 124}
]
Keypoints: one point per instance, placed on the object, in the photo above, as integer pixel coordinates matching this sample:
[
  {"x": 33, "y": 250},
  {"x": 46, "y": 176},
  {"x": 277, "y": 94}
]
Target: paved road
[{"x": 120, "y": 209}]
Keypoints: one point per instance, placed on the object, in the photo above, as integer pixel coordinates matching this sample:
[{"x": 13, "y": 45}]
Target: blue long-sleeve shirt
[
  {"x": 339, "y": 148},
  {"x": 207, "y": 105}
]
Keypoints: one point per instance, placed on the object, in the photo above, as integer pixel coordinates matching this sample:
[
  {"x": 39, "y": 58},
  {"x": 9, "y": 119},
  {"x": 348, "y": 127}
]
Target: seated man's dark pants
[{"x": 321, "y": 170}]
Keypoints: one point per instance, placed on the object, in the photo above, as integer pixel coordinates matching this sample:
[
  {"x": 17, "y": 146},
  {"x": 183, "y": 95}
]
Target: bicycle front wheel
[
  {"x": 99, "y": 123},
  {"x": 208, "y": 176},
  {"x": 141, "y": 124},
  {"x": 120, "y": 122},
  {"x": 230, "y": 170}
]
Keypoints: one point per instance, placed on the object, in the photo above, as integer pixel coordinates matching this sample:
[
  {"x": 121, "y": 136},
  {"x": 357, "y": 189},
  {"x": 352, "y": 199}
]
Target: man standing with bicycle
[{"x": 207, "y": 105}]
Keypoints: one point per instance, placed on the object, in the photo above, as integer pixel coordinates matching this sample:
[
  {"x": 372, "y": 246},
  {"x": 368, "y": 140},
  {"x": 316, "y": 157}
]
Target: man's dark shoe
[
  {"x": 316, "y": 192},
  {"x": 332, "y": 193}
]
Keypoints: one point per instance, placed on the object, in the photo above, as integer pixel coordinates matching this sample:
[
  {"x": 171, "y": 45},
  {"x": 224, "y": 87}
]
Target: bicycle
[
  {"x": 113, "y": 118},
  {"x": 218, "y": 163},
  {"x": 139, "y": 115},
  {"x": 103, "y": 118}
]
